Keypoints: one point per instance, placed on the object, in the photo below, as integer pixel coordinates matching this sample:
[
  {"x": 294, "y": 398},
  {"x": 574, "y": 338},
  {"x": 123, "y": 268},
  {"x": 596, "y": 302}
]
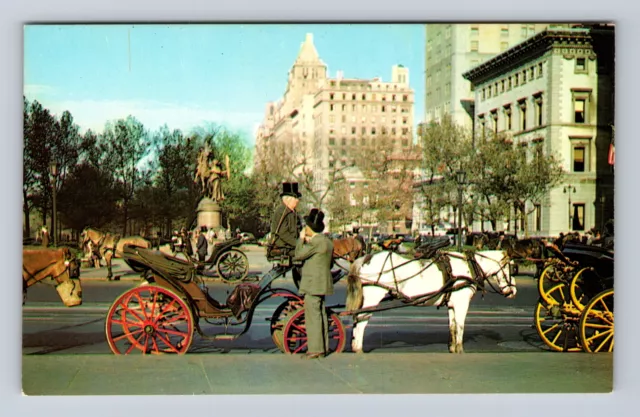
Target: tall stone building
[
  {"x": 554, "y": 93},
  {"x": 453, "y": 49},
  {"x": 326, "y": 121}
]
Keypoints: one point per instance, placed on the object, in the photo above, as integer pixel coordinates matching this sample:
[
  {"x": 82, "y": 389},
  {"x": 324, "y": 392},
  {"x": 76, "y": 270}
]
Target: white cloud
[
  {"x": 93, "y": 114},
  {"x": 38, "y": 89}
]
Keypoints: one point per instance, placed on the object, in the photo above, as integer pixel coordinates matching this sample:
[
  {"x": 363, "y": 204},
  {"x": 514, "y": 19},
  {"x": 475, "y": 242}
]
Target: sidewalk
[{"x": 346, "y": 373}]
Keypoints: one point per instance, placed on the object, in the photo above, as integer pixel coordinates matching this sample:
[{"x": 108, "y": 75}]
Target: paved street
[{"x": 408, "y": 346}]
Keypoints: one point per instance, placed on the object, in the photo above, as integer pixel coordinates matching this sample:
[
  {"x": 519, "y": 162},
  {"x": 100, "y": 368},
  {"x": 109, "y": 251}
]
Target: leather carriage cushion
[{"x": 242, "y": 298}]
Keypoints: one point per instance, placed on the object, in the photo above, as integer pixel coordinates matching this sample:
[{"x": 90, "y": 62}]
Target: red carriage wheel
[
  {"x": 279, "y": 320},
  {"x": 150, "y": 319},
  {"x": 295, "y": 333}
]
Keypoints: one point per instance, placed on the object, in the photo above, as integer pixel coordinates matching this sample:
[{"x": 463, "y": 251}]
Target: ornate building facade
[
  {"x": 556, "y": 91},
  {"x": 453, "y": 49},
  {"x": 327, "y": 121}
]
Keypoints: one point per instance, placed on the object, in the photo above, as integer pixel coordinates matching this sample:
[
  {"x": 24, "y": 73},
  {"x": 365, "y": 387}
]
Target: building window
[
  {"x": 494, "y": 120},
  {"x": 538, "y": 103},
  {"x": 483, "y": 127},
  {"x": 405, "y": 97},
  {"x": 373, "y": 130},
  {"x": 509, "y": 84},
  {"x": 581, "y": 65},
  {"x": 475, "y": 30},
  {"x": 344, "y": 141},
  {"x": 353, "y": 96},
  {"x": 405, "y": 131},
  {"x": 531, "y": 70},
  {"x": 393, "y": 130},
  {"x": 331, "y": 96},
  {"x": 393, "y": 97},
  {"x": 579, "y": 152},
  {"x": 383, "y": 130},
  {"x": 364, "y": 96},
  {"x": 516, "y": 80},
  {"x": 540, "y": 70},
  {"x": 353, "y": 130},
  {"x": 523, "y": 31},
  {"x": 579, "y": 107},
  {"x": 330, "y": 107},
  {"x": 524, "y": 77},
  {"x": 405, "y": 142},
  {"x": 484, "y": 94},
  {"x": 364, "y": 130},
  {"x": 383, "y": 108},
  {"x": 332, "y": 141},
  {"x": 523, "y": 114},
  {"x": 353, "y": 107},
  {"x": 577, "y": 217},
  {"x": 507, "y": 117},
  {"x": 504, "y": 46},
  {"x": 404, "y": 120},
  {"x": 344, "y": 107},
  {"x": 344, "y": 96},
  {"x": 474, "y": 46},
  {"x": 504, "y": 31}
]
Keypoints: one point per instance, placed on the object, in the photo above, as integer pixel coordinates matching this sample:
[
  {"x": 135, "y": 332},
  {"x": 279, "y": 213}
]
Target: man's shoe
[{"x": 313, "y": 355}]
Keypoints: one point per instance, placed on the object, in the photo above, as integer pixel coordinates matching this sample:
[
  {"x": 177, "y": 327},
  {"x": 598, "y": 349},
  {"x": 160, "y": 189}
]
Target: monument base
[{"x": 209, "y": 214}]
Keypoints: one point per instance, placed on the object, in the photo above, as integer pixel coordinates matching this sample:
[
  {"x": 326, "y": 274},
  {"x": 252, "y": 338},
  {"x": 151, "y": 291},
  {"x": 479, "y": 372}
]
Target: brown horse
[
  {"x": 349, "y": 248},
  {"x": 110, "y": 246},
  {"x": 52, "y": 266}
]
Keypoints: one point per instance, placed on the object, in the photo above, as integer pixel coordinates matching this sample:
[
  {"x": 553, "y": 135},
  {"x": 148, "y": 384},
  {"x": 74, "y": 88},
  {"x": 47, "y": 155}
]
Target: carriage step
[{"x": 226, "y": 337}]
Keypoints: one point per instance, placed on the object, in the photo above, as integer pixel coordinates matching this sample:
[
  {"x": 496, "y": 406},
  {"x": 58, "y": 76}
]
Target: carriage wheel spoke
[
  {"x": 167, "y": 342},
  {"x": 555, "y": 339},
  {"x": 597, "y": 325},
  {"x": 551, "y": 328},
  {"x": 604, "y": 341},
  {"x": 126, "y": 335},
  {"x": 142, "y": 305},
  {"x": 302, "y": 346},
  {"x": 599, "y": 335},
  {"x": 604, "y": 305},
  {"x": 173, "y": 332}
]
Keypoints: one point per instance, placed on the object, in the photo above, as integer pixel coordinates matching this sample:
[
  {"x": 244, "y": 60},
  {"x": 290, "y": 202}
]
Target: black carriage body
[
  {"x": 600, "y": 259},
  {"x": 221, "y": 248}
]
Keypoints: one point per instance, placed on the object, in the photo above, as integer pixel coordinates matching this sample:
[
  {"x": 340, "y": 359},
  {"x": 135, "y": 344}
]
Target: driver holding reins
[{"x": 286, "y": 226}]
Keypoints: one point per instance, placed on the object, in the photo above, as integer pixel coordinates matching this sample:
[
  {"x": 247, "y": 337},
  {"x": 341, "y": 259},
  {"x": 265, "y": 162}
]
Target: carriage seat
[{"x": 161, "y": 262}]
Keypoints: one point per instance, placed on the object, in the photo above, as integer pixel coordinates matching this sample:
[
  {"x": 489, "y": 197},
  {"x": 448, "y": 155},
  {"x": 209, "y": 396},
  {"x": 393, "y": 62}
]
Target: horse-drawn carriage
[
  {"x": 575, "y": 309},
  {"x": 162, "y": 315}
]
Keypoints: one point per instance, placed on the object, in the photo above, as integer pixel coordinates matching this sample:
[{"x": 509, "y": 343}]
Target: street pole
[
  {"x": 54, "y": 226},
  {"x": 568, "y": 189},
  {"x": 459, "y": 217},
  {"x": 602, "y": 200},
  {"x": 460, "y": 179}
]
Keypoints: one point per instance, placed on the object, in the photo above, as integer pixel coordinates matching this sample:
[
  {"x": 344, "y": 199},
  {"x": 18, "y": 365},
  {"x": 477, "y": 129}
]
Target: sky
[{"x": 189, "y": 75}]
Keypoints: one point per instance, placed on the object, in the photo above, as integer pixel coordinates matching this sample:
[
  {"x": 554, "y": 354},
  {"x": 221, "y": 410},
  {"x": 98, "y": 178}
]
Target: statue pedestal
[{"x": 209, "y": 214}]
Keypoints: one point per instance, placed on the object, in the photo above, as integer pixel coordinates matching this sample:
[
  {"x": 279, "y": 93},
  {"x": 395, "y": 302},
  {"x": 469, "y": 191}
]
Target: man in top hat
[
  {"x": 286, "y": 225},
  {"x": 201, "y": 244},
  {"x": 315, "y": 250}
]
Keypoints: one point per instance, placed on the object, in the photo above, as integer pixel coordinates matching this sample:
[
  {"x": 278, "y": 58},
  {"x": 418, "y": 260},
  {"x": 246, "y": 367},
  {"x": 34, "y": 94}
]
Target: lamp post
[
  {"x": 569, "y": 189},
  {"x": 602, "y": 201},
  {"x": 460, "y": 179},
  {"x": 53, "y": 168}
]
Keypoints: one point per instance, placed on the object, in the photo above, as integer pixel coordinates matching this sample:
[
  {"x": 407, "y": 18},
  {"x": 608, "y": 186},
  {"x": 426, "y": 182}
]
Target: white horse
[{"x": 421, "y": 282}]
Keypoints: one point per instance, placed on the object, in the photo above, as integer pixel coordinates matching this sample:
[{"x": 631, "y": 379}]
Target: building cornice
[{"x": 538, "y": 45}]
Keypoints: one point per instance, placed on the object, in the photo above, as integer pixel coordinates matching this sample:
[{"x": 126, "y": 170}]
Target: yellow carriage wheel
[
  {"x": 578, "y": 297},
  {"x": 549, "y": 278},
  {"x": 596, "y": 323},
  {"x": 556, "y": 321}
]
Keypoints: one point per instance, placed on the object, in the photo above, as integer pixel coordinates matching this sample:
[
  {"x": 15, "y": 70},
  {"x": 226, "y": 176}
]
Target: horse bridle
[
  {"x": 67, "y": 264},
  {"x": 504, "y": 262}
]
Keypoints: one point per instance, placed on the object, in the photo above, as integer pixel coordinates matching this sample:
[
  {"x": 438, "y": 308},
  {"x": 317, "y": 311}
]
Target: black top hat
[
  {"x": 315, "y": 220},
  {"x": 290, "y": 189}
]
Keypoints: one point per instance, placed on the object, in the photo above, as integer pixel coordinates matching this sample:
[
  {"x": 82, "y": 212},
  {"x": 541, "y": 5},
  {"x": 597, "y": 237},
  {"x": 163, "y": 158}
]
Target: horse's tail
[{"x": 354, "y": 287}]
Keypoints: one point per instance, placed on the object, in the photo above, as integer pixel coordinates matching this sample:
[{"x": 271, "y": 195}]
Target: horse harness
[
  {"x": 32, "y": 279},
  {"x": 442, "y": 260}
]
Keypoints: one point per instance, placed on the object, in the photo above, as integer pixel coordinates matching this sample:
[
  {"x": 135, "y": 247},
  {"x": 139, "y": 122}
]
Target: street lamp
[
  {"x": 602, "y": 200},
  {"x": 569, "y": 189},
  {"x": 53, "y": 168},
  {"x": 460, "y": 179}
]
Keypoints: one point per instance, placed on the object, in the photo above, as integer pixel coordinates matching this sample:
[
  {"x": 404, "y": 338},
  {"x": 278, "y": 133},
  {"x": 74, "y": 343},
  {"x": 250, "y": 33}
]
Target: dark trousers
[{"x": 317, "y": 324}]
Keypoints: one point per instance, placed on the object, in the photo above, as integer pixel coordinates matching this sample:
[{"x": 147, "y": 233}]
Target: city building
[
  {"x": 328, "y": 122},
  {"x": 555, "y": 92},
  {"x": 453, "y": 49}
]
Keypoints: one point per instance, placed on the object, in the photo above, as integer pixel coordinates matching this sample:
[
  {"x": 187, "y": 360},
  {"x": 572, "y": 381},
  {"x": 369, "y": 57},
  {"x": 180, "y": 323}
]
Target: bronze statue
[{"x": 210, "y": 175}]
